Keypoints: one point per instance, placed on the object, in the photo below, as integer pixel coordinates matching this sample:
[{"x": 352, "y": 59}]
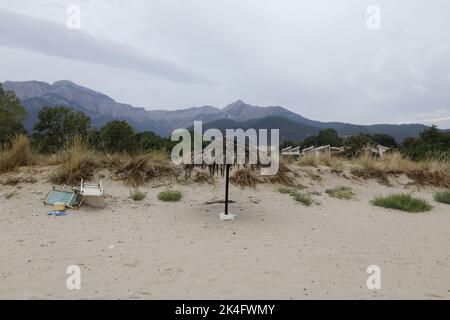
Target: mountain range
[{"x": 102, "y": 109}]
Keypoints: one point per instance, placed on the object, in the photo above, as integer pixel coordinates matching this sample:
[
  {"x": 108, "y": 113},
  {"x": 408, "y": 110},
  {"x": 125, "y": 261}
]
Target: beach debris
[
  {"x": 160, "y": 185},
  {"x": 57, "y": 213},
  {"x": 63, "y": 194},
  {"x": 93, "y": 194},
  {"x": 59, "y": 206}
]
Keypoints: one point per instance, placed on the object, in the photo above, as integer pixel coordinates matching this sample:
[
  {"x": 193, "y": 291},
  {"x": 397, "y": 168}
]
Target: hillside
[{"x": 289, "y": 130}]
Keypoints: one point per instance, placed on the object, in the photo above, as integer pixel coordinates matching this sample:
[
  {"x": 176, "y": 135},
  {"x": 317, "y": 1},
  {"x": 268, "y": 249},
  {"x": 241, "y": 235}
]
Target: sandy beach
[
  {"x": 250, "y": 151},
  {"x": 276, "y": 248}
]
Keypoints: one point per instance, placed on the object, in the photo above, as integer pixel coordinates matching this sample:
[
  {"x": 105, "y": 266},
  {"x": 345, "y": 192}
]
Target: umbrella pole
[{"x": 227, "y": 182}]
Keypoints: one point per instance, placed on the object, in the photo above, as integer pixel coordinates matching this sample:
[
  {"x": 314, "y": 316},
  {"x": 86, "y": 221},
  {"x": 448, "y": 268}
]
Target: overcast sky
[{"x": 317, "y": 58}]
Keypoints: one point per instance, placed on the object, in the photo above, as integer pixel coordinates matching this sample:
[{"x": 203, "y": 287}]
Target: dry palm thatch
[
  {"x": 230, "y": 150},
  {"x": 245, "y": 177}
]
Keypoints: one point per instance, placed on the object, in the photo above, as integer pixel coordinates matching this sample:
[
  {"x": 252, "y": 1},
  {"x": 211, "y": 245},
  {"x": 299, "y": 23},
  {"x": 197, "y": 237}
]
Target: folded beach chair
[
  {"x": 93, "y": 193},
  {"x": 65, "y": 195}
]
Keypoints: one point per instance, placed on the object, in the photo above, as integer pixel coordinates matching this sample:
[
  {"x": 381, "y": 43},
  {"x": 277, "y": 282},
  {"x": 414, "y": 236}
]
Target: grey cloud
[
  {"x": 53, "y": 39},
  {"x": 315, "y": 58}
]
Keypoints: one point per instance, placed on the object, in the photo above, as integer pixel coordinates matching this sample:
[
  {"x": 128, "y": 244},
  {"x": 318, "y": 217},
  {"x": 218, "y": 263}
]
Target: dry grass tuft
[
  {"x": 325, "y": 161},
  {"x": 372, "y": 173},
  {"x": 283, "y": 175},
  {"x": 15, "y": 180},
  {"x": 77, "y": 162},
  {"x": 245, "y": 177},
  {"x": 288, "y": 159},
  {"x": 114, "y": 161},
  {"x": 143, "y": 168},
  {"x": 334, "y": 164},
  {"x": 370, "y": 168},
  {"x": 18, "y": 154},
  {"x": 435, "y": 172},
  {"x": 203, "y": 177},
  {"x": 48, "y": 159},
  {"x": 306, "y": 161}
]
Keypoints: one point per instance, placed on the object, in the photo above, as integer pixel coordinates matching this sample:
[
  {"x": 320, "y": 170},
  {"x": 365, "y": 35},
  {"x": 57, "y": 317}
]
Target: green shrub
[
  {"x": 118, "y": 136},
  {"x": 442, "y": 196},
  {"x": 297, "y": 196},
  {"x": 285, "y": 190},
  {"x": 340, "y": 192},
  {"x": 302, "y": 198},
  {"x": 404, "y": 202},
  {"x": 137, "y": 195},
  {"x": 169, "y": 196}
]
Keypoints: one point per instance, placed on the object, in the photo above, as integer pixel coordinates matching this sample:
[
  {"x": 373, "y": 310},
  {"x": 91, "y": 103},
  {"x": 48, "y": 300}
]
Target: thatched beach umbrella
[{"x": 233, "y": 154}]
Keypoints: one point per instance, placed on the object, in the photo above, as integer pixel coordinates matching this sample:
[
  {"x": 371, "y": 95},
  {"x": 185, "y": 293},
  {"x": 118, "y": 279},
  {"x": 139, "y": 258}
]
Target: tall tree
[
  {"x": 357, "y": 142},
  {"x": 12, "y": 114},
  {"x": 329, "y": 137},
  {"x": 148, "y": 140},
  {"x": 58, "y": 125},
  {"x": 431, "y": 143},
  {"x": 385, "y": 140},
  {"x": 118, "y": 136},
  {"x": 325, "y": 137}
]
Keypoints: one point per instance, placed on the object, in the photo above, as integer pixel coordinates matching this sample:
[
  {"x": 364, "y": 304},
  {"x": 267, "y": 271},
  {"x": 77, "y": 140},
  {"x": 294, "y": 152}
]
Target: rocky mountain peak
[{"x": 235, "y": 106}]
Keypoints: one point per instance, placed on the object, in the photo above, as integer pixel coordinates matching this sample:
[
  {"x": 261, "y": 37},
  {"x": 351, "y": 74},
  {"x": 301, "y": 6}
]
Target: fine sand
[{"x": 276, "y": 248}]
